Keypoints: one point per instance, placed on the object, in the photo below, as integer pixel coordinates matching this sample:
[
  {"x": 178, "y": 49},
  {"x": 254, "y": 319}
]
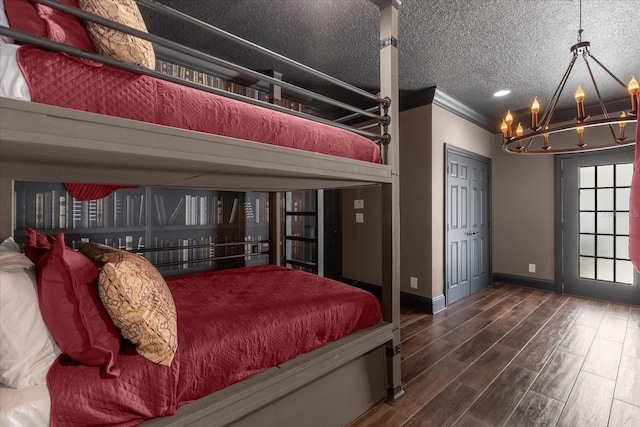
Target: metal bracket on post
[
  {"x": 393, "y": 351},
  {"x": 388, "y": 41},
  {"x": 395, "y": 393}
]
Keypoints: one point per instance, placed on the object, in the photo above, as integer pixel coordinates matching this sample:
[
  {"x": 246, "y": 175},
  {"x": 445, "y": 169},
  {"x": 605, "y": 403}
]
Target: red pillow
[
  {"x": 37, "y": 245},
  {"x": 47, "y": 22},
  {"x": 72, "y": 310}
]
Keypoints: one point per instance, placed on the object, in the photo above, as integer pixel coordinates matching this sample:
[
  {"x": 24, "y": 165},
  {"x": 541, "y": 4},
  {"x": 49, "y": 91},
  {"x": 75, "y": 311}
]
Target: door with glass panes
[{"x": 594, "y": 226}]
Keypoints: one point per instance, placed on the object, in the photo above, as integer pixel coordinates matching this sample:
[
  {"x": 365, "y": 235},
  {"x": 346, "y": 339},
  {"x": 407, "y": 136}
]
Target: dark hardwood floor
[{"x": 510, "y": 356}]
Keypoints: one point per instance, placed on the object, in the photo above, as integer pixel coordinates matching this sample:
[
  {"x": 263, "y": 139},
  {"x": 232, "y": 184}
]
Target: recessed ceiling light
[{"x": 502, "y": 92}]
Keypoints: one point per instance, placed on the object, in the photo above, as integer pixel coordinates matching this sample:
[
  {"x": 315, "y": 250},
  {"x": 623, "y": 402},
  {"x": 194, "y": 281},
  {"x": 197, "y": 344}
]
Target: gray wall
[
  {"x": 449, "y": 129},
  {"x": 522, "y": 205},
  {"x": 523, "y": 214},
  {"x": 361, "y": 242},
  {"x": 423, "y": 133}
]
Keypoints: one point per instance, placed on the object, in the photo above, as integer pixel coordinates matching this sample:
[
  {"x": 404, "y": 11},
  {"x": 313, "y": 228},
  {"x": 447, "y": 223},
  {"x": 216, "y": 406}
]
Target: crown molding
[{"x": 436, "y": 96}]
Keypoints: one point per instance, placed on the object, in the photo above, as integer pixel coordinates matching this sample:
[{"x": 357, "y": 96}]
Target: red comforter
[
  {"x": 231, "y": 324},
  {"x": 57, "y": 79}
]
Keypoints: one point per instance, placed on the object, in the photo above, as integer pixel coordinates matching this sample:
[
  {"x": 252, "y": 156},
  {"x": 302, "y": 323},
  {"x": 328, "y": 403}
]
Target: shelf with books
[
  {"x": 210, "y": 80},
  {"x": 176, "y": 229},
  {"x": 49, "y": 206}
]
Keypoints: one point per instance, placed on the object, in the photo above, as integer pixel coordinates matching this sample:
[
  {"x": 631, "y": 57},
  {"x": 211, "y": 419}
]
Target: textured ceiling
[{"x": 467, "y": 48}]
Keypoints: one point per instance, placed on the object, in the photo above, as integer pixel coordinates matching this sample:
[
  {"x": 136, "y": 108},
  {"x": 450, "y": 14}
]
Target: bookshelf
[
  {"x": 302, "y": 228},
  {"x": 179, "y": 230},
  {"x": 272, "y": 94}
]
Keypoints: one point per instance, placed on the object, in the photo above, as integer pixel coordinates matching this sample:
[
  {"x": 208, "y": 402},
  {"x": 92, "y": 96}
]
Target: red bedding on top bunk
[
  {"x": 231, "y": 324},
  {"x": 61, "y": 80}
]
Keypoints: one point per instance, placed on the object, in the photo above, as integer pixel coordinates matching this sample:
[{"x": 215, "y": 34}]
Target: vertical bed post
[
  {"x": 391, "y": 193},
  {"x": 7, "y": 218},
  {"x": 275, "y": 228}
]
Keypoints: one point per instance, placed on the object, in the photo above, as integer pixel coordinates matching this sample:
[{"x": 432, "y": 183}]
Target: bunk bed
[{"x": 330, "y": 385}]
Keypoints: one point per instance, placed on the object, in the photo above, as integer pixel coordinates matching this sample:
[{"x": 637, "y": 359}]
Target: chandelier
[{"x": 538, "y": 138}]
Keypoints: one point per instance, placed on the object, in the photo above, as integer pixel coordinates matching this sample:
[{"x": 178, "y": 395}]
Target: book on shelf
[
  {"x": 161, "y": 214},
  {"x": 219, "y": 210},
  {"x": 100, "y": 213},
  {"x": 92, "y": 216},
  {"x": 48, "y": 209},
  {"x": 39, "y": 210},
  {"x": 204, "y": 210},
  {"x": 257, "y": 213},
  {"x": 84, "y": 214},
  {"x": 117, "y": 209},
  {"x": 176, "y": 212},
  {"x": 62, "y": 210},
  {"x": 141, "y": 212},
  {"x": 187, "y": 210},
  {"x": 248, "y": 211},
  {"x": 234, "y": 211},
  {"x": 128, "y": 243}
]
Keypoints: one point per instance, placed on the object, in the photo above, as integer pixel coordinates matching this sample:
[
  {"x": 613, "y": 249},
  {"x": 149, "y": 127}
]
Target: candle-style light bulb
[
  {"x": 579, "y": 97},
  {"x": 509, "y": 121},
  {"x": 519, "y": 130},
  {"x": 622, "y": 126},
  {"x": 580, "y": 131},
  {"x": 545, "y": 136},
  {"x": 504, "y": 128},
  {"x": 633, "y": 87},
  {"x": 535, "y": 108}
]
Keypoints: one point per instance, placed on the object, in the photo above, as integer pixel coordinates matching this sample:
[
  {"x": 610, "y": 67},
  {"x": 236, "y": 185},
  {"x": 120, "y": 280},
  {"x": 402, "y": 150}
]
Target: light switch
[
  {"x": 359, "y": 217},
  {"x": 358, "y": 204}
]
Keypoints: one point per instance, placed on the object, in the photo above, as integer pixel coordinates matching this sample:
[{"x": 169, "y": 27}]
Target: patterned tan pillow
[
  {"x": 138, "y": 300},
  {"x": 117, "y": 44}
]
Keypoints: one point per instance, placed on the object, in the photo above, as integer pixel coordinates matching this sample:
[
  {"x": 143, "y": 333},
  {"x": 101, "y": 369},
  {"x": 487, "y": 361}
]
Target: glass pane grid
[{"x": 603, "y": 223}]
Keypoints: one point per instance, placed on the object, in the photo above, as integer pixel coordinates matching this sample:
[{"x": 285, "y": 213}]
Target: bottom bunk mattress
[{"x": 231, "y": 324}]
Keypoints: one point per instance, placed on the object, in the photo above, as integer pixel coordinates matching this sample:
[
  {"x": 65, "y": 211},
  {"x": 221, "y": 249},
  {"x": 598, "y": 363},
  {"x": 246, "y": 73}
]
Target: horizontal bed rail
[
  {"x": 203, "y": 64},
  {"x": 59, "y": 47},
  {"x": 158, "y": 7}
]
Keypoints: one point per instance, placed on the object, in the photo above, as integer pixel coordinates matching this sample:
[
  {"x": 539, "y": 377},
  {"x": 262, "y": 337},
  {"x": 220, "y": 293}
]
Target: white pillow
[
  {"x": 12, "y": 82},
  {"x": 9, "y": 245},
  {"x": 4, "y": 22},
  {"x": 27, "y": 349}
]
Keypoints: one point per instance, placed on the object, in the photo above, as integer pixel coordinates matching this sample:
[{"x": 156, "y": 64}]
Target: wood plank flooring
[{"x": 509, "y": 356}]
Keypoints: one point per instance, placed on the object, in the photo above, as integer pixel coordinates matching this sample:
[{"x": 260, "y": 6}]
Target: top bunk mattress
[{"x": 62, "y": 80}]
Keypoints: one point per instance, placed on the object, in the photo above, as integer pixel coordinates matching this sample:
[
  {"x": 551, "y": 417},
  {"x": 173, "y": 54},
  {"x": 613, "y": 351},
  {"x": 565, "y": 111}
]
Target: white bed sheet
[
  {"x": 24, "y": 407},
  {"x": 12, "y": 83}
]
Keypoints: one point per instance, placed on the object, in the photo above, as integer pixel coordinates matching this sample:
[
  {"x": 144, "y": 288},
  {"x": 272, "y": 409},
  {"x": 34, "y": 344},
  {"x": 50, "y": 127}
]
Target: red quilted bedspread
[
  {"x": 231, "y": 324},
  {"x": 57, "y": 79}
]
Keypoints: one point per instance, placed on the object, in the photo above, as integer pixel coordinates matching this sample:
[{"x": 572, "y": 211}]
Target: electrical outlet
[
  {"x": 414, "y": 283},
  {"x": 532, "y": 268}
]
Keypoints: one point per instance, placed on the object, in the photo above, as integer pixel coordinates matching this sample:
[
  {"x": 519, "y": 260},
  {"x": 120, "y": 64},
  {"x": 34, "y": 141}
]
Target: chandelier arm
[
  {"x": 526, "y": 147},
  {"x": 607, "y": 70},
  {"x": 548, "y": 112},
  {"x": 595, "y": 85},
  {"x": 604, "y": 108},
  {"x": 613, "y": 135}
]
